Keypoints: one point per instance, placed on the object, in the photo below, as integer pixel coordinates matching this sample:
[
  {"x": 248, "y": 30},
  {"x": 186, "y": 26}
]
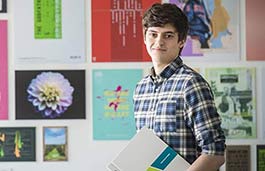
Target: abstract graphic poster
[
  {"x": 49, "y": 31},
  {"x": 117, "y": 30},
  {"x": 55, "y": 144},
  {"x": 3, "y": 71},
  {"x": 238, "y": 158},
  {"x": 17, "y": 144},
  {"x": 261, "y": 157},
  {"x": 234, "y": 90},
  {"x": 113, "y": 117},
  {"x": 50, "y": 94},
  {"x": 3, "y": 7},
  {"x": 214, "y": 29},
  {"x": 255, "y": 35}
]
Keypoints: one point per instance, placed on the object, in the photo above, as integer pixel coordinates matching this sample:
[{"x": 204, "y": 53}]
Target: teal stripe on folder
[{"x": 164, "y": 158}]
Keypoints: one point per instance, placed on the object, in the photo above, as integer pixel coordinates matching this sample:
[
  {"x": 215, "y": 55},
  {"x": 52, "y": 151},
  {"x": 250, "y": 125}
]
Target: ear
[{"x": 181, "y": 43}]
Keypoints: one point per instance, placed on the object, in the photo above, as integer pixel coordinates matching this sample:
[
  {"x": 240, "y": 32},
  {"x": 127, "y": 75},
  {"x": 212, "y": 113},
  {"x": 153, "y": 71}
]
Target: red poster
[
  {"x": 255, "y": 35},
  {"x": 117, "y": 31}
]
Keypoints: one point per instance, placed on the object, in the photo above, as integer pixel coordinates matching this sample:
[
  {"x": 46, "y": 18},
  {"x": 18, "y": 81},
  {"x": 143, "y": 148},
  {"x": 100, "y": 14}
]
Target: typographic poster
[
  {"x": 117, "y": 34},
  {"x": 235, "y": 91},
  {"x": 49, "y": 31},
  {"x": 55, "y": 143},
  {"x": 17, "y": 144},
  {"x": 260, "y": 157},
  {"x": 255, "y": 35},
  {"x": 113, "y": 117},
  {"x": 214, "y": 29},
  {"x": 238, "y": 158},
  {"x": 3, "y": 6},
  {"x": 50, "y": 94},
  {"x": 3, "y": 71}
]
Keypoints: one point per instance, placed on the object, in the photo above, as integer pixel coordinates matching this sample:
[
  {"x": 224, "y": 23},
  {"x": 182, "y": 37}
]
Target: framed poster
[
  {"x": 255, "y": 35},
  {"x": 261, "y": 157},
  {"x": 3, "y": 71},
  {"x": 238, "y": 158},
  {"x": 50, "y": 94},
  {"x": 120, "y": 35},
  {"x": 55, "y": 143},
  {"x": 214, "y": 32},
  {"x": 113, "y": 117},
  {"x": 3, "y": 6},
  {"x": 49, "y": 31},
  {"x": 235, "y": 91},
  {"x": 17, "y": 144}
]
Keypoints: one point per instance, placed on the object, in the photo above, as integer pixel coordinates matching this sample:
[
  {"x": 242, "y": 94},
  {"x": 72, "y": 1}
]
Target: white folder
[{"x": 147, "y": 152}]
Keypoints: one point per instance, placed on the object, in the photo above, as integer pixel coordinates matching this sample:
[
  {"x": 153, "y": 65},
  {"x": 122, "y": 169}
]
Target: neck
[{"x": 159, "y": 68}]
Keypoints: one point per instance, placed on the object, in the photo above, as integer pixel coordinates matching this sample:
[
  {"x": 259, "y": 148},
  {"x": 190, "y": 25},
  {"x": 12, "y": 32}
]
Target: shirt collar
[{"x": 168, "y": 71}]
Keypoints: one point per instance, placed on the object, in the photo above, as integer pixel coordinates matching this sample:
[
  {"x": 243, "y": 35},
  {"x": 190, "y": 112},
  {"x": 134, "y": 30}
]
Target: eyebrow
[{"x": 173, "y": 32}]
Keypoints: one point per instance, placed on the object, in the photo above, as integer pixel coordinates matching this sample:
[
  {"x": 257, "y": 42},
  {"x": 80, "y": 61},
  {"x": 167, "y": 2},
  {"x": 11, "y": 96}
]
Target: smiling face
[{"x": 162, "y": 44}]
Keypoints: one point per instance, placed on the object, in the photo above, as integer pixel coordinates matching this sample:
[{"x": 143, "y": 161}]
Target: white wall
[{"x": 85, "y": 154}]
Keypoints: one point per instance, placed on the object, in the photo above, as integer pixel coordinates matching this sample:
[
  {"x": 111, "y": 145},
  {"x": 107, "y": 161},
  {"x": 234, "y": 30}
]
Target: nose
[{"x": 159, "y": 40}]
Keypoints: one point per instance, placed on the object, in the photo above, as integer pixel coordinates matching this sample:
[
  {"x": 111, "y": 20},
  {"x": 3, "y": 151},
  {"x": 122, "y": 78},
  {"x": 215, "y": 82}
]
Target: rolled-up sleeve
[{"x": 203, "y": 117}]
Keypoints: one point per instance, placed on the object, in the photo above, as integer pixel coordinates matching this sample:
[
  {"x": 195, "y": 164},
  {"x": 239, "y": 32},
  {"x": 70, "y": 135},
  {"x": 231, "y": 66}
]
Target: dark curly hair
[{"x": 158, "y": 15}]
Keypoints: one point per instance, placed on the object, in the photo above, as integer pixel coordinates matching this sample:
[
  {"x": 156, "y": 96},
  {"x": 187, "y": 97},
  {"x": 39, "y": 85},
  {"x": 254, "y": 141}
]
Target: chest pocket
[{"x": 165, "y": 116}]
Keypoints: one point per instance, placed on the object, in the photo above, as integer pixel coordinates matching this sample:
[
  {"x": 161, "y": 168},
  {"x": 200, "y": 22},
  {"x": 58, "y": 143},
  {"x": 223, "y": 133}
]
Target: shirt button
[{"x": 157, "y": 89}]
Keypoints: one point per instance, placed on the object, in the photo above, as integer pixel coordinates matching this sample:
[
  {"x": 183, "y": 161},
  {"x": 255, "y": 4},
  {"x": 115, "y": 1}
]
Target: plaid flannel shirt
[{"x": 179, "y": 107}]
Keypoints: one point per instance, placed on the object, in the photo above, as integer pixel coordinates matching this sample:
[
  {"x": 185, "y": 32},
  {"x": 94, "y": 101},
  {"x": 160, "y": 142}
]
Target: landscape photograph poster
[
  {"x": 214, "y": 29},
  {"x": 55, "y": 143},
  {"x": 17, "y": 144},
  {"x": 113, "y": 117},
  {"x": 50, "y": 94},
  {"x": 118, "y": 23},
  {"x": 3, "y": 71},
  {"x": 235, "y": 91},
  {"x": 49, "y": 31}
]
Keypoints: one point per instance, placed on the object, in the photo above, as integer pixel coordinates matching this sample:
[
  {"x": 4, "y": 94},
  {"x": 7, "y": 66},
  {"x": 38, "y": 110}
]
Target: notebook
[{"x": 147, "y": 152}]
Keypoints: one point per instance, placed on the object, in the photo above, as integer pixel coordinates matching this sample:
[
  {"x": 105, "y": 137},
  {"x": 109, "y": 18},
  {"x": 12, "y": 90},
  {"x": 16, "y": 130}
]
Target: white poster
[
  {"x": 234, "y": 90},
  {"x": 49, "y": 31}
]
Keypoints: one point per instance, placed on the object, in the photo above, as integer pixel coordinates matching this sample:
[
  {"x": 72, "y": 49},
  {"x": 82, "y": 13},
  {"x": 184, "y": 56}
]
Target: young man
[{"x": 175, "y": 101}]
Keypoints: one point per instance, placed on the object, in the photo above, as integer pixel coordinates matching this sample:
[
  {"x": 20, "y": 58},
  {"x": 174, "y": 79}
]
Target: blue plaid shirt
[{"x": 179, "y": 107}]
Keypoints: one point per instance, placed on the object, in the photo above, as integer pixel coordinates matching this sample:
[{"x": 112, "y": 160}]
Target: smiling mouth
[{"x": 158, "y": 49}]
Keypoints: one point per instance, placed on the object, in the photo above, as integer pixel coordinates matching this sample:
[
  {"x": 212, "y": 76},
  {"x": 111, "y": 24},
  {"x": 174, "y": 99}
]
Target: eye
[
  {"x": 152, "y": 35},
  {"x": 169, "y": 35}
]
